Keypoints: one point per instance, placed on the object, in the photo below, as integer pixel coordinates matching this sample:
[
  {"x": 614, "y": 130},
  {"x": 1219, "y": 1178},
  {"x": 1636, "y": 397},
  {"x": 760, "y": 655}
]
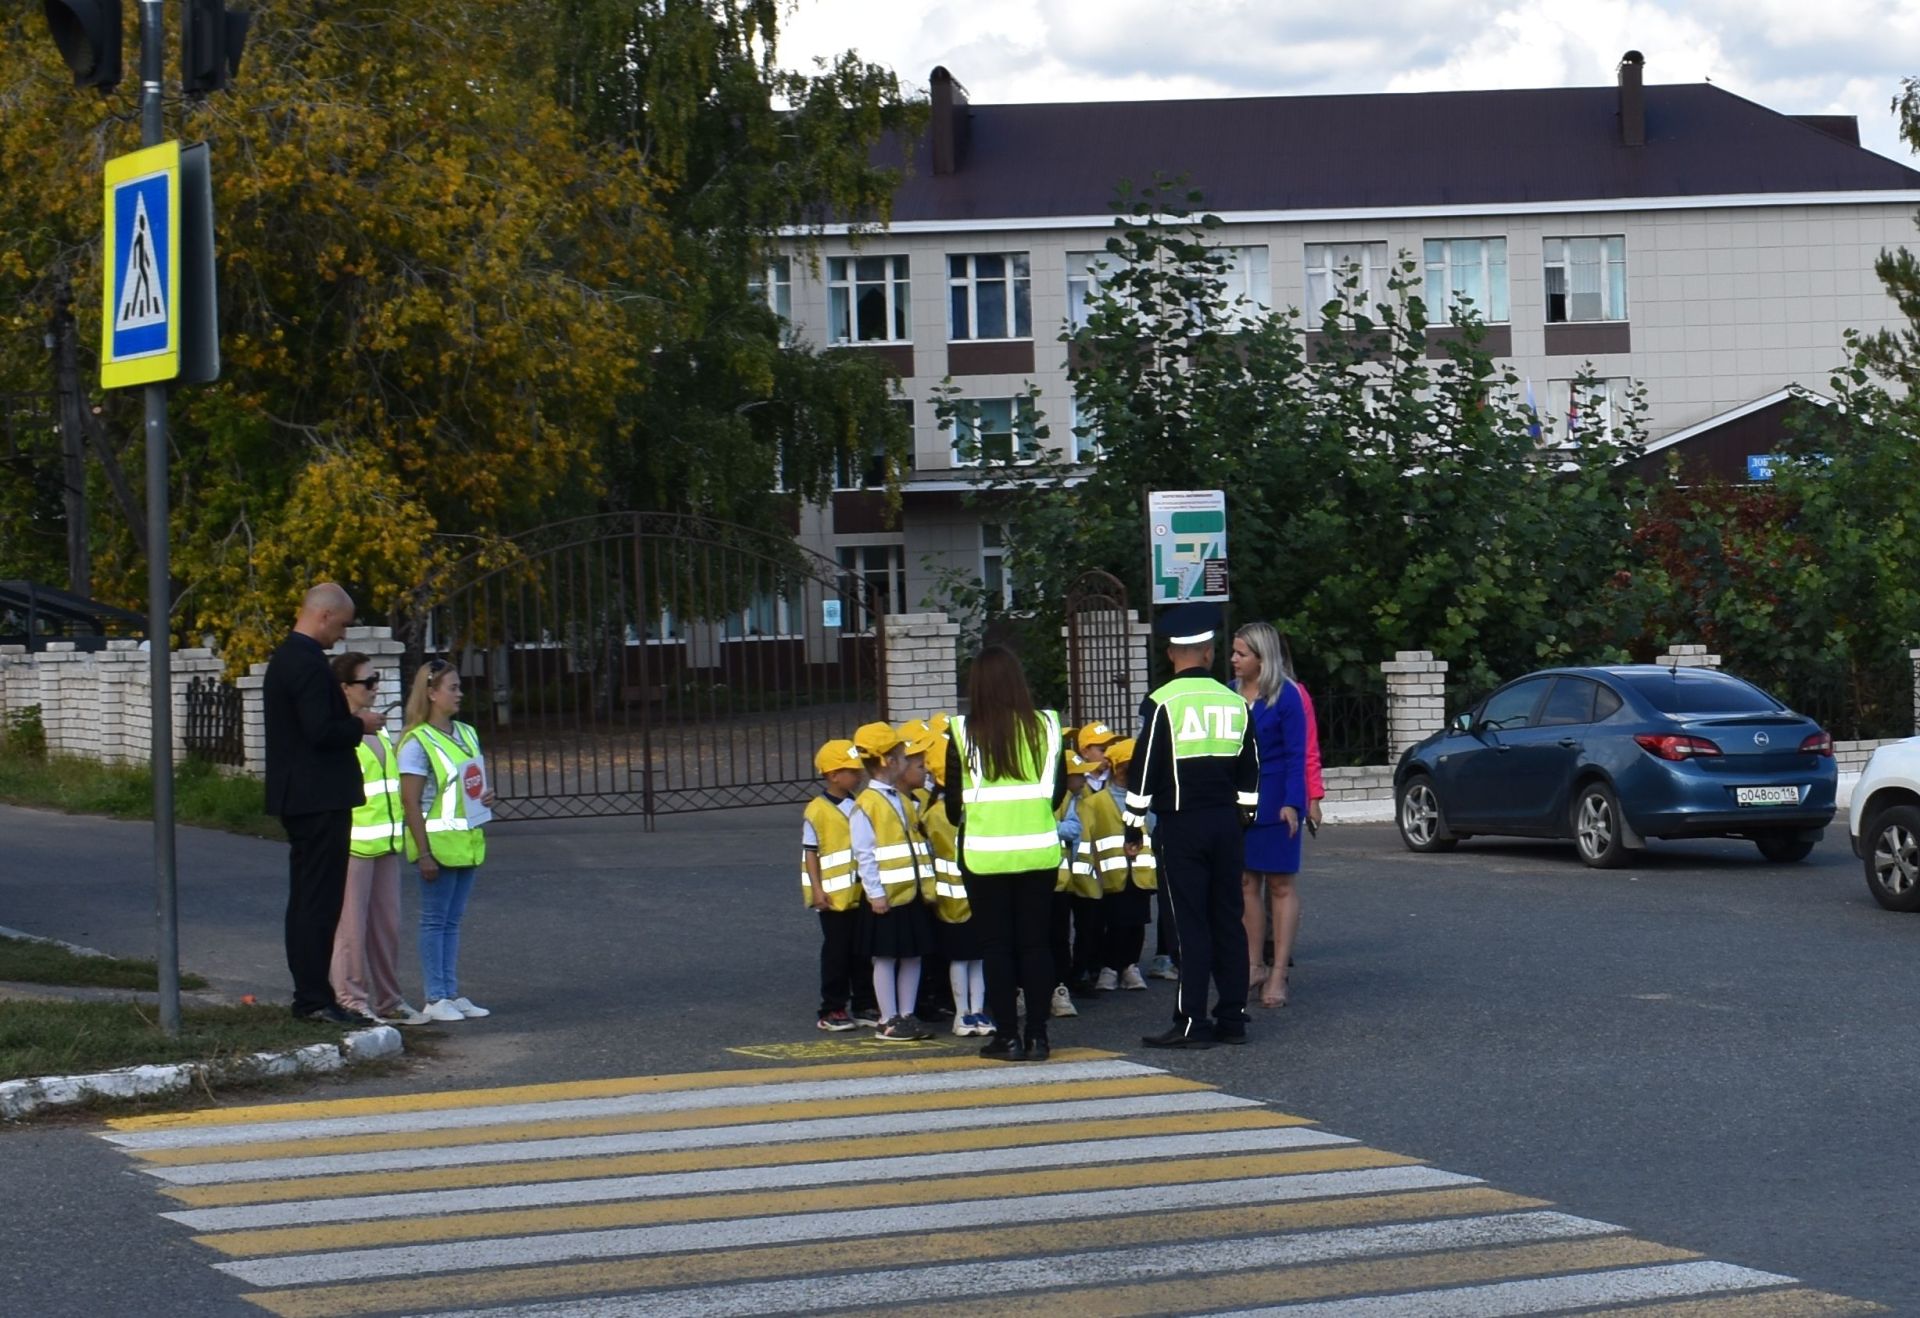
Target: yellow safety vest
[
  {"x": 456, "y": 844},
  {"x": 1084, "y": 878},
  {"x": 837, "y": 877},
  {"x": 1009, "y": 822},
  {"x": 1103, "y": 831},
  {"x": 1063, "y": 877},
  {"x": 380, "y": 825},
  {"x": 950, "y": 901},
  {"x": 898, "y": 847}
]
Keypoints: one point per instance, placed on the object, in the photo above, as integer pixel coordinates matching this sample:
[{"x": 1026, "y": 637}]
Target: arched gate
[{"x": 1106, "y": 658}]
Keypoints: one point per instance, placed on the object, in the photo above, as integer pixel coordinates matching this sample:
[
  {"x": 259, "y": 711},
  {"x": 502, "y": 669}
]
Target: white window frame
[
  {"x": 1018, "y": 279},
  {"x": 743, "y": 619},
  {"x": 1082, "y": 435},
  {"x": 845, "y": 283},
  {"x": 1440, "y": 308},
  {"x": 1609, "y": 400},
  {"x": 996, "y": 554},
  {"x": 843, "y": 474},
  {"x": 961, "y": 427},
  {"x": 1557, "y": 254},
  {"x": 1248, "y": 275},
  {"x": 853, "y": 562},
  {"x": 1084, "y": 271},
  {"x": 774, "y": 286},
  {"x": 1335, "y": 263}
]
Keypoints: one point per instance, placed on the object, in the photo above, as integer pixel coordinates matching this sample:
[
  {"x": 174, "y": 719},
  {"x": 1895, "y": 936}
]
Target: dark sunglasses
[{"x": 368, "y": 682}]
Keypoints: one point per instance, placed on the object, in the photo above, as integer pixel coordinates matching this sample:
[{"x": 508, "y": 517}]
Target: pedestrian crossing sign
[{"x": 140, "y": 311}]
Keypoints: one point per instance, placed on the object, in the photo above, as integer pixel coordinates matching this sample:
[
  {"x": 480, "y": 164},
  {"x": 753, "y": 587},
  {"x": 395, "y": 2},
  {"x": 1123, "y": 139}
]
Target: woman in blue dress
[{"x": 1273, "y": 840}]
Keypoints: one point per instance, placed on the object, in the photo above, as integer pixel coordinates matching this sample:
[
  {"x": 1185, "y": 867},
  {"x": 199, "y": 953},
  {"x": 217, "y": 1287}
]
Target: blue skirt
[{"x": 1270, "y": 851}]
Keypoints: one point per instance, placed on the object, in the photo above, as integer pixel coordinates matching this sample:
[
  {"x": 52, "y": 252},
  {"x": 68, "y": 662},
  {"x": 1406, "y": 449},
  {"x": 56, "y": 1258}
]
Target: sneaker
[
  {"x": 1108, "y": 981},
  {"x": 918, "y": 1026},
  {"x": 867, "y": 1018},
  {"x": 1063, "y": 1003},
  {"x": 898, "y": 1030},
  {"x": 466, "y": 1008},
  {"x": 1130, "y": 978},
  {"x": 963, "y": 1026},
  {"x": 402, "y": 1013},
  {"x": 983, "y": 1026},
  {"x": 443, "y": 1011},
  {"x": 1162, "y": 967},
  {"x": 836, "y": 1021}
]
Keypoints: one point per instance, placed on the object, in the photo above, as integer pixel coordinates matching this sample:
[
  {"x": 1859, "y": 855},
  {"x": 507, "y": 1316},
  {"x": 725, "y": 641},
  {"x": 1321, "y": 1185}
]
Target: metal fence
[
  {"x": 1352, "y": 722},
  {"x": 1862, "y": 702},
  {"x": 212, "y": 728}
]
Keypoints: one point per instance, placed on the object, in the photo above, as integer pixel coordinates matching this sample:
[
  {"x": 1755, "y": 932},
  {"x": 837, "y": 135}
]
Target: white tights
[
  {"x": 969, "y": 980},
  {"x": 896, "y": 984}
]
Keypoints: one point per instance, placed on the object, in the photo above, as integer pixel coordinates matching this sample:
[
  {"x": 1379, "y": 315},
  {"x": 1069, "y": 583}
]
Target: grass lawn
[
  {"x": 70, "y": 1038},
  {"x": 202, "y": 794},
  {"x": 26, "y": 962}
]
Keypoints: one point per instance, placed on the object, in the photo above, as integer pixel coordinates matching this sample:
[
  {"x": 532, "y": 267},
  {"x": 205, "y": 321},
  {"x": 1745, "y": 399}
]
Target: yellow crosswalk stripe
[
  {"x": 765, "y": 1155},
  {"x": 1194, "y": 1294},
  {"x": 579, "y": 1280},
  {"x": 566, "y": 1090},
  {"x": 717, "y": 1207},
  {"x": 851, "y": 1108},
  {"x": 1795, "y": 1303}
]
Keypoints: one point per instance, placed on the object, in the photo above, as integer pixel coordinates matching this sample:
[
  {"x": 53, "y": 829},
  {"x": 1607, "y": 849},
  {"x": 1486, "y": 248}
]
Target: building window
[
  {"x": 1596, "y": 409},
  {"x": 867, "y": 299},
  {"x": 1249, "y": 284},
  {"x": 1332, "y": 267},
  {"x": 990, "y": 297},
  {"x": 993, "y": 566},
  {"x": 1467, "y": 274},
  {"x": 766, "y": 617},
  {"x": 1085, "y": 435},
  {"x": 1086, "y": 272},
  {"x": 883, "y": 571},
  {"x": 993, "y": 432},
  {"x": 869, "y": 471},
  {"x": 1586, "y": 279},
  {"x": 774, "y": 286}
]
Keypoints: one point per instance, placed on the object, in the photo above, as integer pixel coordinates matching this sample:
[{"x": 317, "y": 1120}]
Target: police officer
[{"x": 1197, "y": 769}]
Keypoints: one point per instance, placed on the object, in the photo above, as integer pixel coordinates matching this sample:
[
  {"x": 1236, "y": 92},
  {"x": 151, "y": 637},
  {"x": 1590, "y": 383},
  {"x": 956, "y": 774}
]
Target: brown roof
[{"x": 1288, "y": 153}]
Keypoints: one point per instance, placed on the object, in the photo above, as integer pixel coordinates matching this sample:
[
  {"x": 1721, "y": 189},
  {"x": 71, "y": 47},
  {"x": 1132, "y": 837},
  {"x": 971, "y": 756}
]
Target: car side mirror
[{"x": 1463, "y": 722}]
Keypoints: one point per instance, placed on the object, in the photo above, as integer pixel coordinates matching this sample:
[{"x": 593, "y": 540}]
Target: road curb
[
  {"x": 74, "y": 948},
  {"x": 24, "y": 1098}
]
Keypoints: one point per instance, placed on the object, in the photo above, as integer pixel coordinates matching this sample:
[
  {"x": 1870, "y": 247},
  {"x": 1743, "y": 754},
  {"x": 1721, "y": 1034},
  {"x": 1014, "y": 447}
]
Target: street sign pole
[{"x": 159, "y": 583}]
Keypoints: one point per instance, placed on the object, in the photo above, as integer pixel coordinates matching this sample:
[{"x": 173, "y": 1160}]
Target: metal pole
[{"x": 159, "y": 582}]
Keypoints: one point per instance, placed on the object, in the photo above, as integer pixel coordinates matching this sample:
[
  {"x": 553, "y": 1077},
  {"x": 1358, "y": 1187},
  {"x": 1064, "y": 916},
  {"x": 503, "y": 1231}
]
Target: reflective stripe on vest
[
  {"x": 838, "y": 880},
  {"x": 901, "y": 856},
  {"x": 456, "y": 842},
  {"x": 380, "y": 823},
  {"x": 1010, "y": 822}
]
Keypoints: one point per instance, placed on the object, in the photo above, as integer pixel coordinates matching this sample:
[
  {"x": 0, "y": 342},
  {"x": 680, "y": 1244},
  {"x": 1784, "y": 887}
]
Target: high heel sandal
[{"x": 1274, "y": 992}]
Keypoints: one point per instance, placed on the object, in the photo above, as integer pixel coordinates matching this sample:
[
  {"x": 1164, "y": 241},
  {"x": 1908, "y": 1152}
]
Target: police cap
[{"x": 1190, "y": 624}]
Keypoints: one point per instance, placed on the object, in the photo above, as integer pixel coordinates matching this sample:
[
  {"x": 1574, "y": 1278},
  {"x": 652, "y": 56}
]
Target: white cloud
[{"x": 1834, "y": 57}]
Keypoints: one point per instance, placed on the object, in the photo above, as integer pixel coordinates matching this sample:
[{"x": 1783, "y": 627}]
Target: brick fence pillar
[
  {"x": 253, "y": 721},
  {"x": 1688, "y": 656},
  {"x": 1416, "y": 699},
  {"x": 923, "y": 664}
]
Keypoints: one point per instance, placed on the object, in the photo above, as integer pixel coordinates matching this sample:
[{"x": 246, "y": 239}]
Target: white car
[{"x": 1884, "y": 821}]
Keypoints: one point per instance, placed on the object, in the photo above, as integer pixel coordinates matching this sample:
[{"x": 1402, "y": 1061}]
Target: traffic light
[
  {"x": 210, "y": 42},
  {"x": 88, "y": 34}
]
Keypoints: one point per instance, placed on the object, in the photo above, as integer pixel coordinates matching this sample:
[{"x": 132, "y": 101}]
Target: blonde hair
[
  {"x": 419, "y": 704},
  {"x": 1264, "y": 641}
]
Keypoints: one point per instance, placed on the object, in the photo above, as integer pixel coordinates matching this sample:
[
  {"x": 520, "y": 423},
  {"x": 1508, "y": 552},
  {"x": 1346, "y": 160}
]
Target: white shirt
[
  {"x": 413, "y": 760},
  {"x": 864, "y": 842}
]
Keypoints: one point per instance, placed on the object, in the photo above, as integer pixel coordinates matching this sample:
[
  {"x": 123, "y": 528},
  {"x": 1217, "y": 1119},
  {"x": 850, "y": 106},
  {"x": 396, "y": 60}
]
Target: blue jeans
[{"x": 442, "y": 903}]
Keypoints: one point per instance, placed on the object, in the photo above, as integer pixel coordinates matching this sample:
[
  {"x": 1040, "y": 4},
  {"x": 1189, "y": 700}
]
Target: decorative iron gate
[
  {"x": 640, "y": 663},
  {"x": 1106, "y": 663}
]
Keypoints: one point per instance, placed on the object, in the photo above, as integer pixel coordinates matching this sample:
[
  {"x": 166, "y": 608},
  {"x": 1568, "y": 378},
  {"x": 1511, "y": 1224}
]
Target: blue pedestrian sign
[{"x": 140, "y": 312}]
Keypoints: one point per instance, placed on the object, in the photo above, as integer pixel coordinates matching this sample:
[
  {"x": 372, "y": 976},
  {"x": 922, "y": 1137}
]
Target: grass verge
[
  {"x": 203, "y": 795},
  {"x": 73, "y": 1038},
  {"x": 23, "y": 961}
]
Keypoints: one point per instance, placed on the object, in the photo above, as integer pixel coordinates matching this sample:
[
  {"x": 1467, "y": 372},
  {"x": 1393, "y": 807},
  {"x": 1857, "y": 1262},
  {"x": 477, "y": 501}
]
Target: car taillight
[
  {"x": 1673, "y": 746},
  {"x": 1820, "y": 743}
]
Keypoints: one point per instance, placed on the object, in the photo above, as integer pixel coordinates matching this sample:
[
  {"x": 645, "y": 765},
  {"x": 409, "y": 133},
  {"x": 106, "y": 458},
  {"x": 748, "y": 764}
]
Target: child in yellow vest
[
  {"x": 1084, "y": 890},
  {"x": 1092, "y": 742},
  {"x": 955, "y": 932},
  {"x": 830, "y": 886},
  {"x": 1071, "y": 856},
  {"x": 935, "y": 1006},
  {"x": 890, "y": 854},
  {"x": 1128, "y": 874}
]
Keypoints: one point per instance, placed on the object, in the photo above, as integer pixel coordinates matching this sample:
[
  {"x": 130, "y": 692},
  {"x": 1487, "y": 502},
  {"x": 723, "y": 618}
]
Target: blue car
[{"x": 1611, "y": 757}]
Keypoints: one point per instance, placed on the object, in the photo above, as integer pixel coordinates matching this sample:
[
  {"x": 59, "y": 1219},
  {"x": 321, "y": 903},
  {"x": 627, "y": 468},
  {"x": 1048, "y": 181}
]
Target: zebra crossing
[{"x": 926, "y": 1185}]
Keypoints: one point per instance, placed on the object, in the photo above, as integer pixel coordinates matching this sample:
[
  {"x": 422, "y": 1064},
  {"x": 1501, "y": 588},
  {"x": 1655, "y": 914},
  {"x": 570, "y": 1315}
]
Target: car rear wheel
[
  {"x": 1783, "y": 850},
  {"x": 1599, "y": 831},
  {"x": 1891, "y": 843},
  {"x": 1423, "y": 825}
]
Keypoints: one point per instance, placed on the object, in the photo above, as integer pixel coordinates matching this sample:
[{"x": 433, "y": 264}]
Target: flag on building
[{"x": 1533, "y": 413}]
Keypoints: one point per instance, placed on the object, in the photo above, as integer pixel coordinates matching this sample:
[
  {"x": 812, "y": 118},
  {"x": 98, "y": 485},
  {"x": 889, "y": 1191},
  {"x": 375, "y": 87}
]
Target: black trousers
[
  {"x": 846, "y": 975},
  {"x": 1200, "y": 855},
  {"x": 1165, "y": 941},
  {"x": 317, "y": 883},
  {"x": 1060, "y": 938},
  {"x": 1127, "y": 912},
  {"x": 1015, "y": 912},
  {"x": 1089, "y": 936}
]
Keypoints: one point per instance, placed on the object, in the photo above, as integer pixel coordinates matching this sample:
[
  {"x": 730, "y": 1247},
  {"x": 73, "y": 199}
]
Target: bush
[{"x": 25, "y": 734}]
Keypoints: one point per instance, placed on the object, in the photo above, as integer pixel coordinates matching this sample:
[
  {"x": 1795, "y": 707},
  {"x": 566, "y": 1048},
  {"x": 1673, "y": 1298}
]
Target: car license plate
[{"x": 1767, "y": 795}]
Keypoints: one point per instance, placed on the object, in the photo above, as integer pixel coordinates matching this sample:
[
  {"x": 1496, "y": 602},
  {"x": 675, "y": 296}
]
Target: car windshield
[{"x": 1684, "y": 692}]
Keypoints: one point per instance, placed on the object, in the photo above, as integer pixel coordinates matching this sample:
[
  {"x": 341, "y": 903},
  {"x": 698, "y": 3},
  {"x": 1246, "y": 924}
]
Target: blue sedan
[{"x": 1610, "y": 757}]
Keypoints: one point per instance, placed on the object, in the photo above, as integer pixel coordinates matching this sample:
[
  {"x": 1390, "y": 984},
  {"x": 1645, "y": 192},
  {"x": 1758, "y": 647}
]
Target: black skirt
[
  {"x": 960, "y": 942},
  {"x": 903, "y": 931},
  {"x": 1130, "y": 905}
]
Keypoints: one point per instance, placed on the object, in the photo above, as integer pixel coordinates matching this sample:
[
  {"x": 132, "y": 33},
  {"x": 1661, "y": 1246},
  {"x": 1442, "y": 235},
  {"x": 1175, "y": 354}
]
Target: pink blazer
[{"x": 1316, "y": 786}]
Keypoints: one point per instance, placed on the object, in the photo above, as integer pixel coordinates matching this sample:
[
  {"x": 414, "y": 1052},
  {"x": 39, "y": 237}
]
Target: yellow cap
[
  {"x": 836, "y": 754},
  {"x": 1121, "y": 751},
  {"x": 914, "y": 729},
  {"x": 940, "y": 722},
  {"x": 924, "y": 742},
  {"x": 1077, "y": 765},
  {"x": 875, "y": 739},
  {"x": 1095, "y": 734},
  {"x": 937, "y": 759}
]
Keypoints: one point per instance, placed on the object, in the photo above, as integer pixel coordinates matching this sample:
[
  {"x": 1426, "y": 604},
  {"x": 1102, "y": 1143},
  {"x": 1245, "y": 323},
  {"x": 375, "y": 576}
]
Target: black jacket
[
  {"x": 311, "y": 737},
  {"x": 1157, "y": 782}
]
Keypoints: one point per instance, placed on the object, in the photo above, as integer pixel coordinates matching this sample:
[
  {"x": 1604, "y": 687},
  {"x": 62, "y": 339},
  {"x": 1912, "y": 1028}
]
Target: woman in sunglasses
[
  {"x": 366, "y": 943},
  {"x": 443, "y": 785}
]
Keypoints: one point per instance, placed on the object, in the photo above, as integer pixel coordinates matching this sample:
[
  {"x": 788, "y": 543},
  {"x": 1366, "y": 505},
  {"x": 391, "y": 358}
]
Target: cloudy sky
[{"x": 1796, "y": 56}]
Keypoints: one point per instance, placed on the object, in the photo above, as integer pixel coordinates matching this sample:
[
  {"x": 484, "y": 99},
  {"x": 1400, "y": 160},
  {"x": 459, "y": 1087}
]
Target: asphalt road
[{"x": 1706, "y": 1049}]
